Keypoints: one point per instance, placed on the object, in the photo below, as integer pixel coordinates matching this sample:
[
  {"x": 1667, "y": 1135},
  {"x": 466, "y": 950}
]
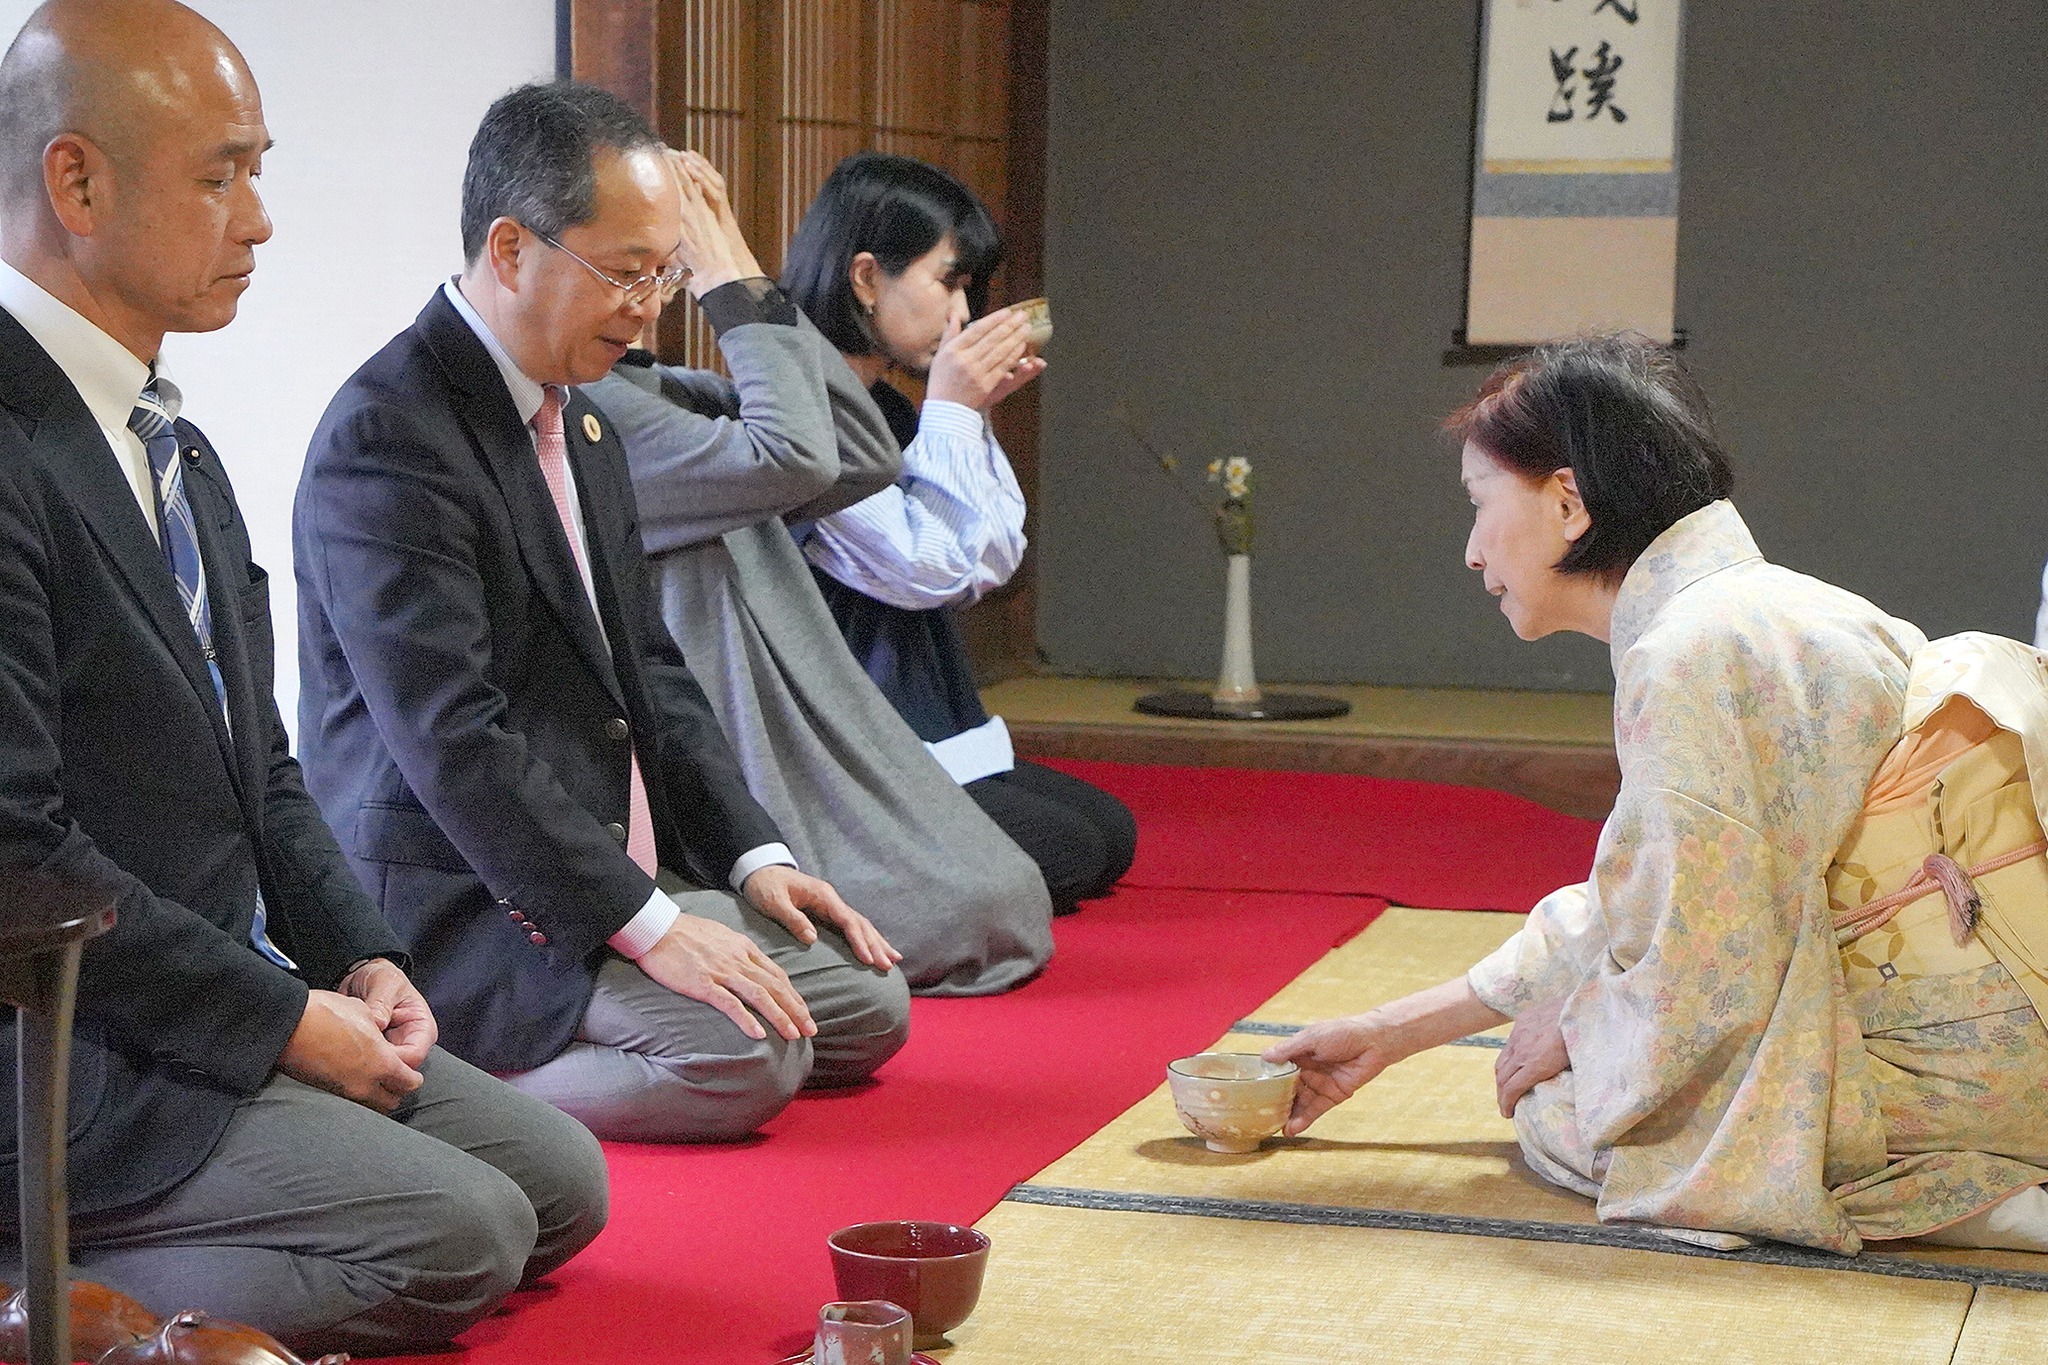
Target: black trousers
[{"x": 1081, "y": 837}]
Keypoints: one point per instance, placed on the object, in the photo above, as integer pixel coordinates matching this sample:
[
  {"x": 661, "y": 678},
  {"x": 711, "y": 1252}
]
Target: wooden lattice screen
[{"x": 775, "y": 92}]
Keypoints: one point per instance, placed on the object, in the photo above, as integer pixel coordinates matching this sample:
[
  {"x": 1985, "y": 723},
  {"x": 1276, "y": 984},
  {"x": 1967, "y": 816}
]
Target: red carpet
[
  {"x": 1412, "y": 843},
  {"x": 716, "y": 1255}
]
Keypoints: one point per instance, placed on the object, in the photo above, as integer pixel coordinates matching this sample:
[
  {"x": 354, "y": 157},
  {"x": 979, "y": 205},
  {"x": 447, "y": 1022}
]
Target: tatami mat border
[
  {"x": 1596, "y": 1234},
  {"x": 1289, "y": 1030}
]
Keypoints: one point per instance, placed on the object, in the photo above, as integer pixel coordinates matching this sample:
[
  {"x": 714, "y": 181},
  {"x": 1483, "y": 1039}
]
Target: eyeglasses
[{"x": 637, "y": 291}]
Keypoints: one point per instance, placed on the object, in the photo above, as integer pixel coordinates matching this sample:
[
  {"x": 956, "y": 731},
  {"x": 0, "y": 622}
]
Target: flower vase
[
  {"x": 1236, "y": 684},
  {"x": 1237, "y": 696}
]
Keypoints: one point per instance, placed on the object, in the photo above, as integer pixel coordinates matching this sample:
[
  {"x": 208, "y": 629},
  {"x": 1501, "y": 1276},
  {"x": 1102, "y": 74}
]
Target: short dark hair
[
  {"x": 531, "y": 158},
  {"x": 1625, "y": 417},
  {"x": 899, "y": 209}
]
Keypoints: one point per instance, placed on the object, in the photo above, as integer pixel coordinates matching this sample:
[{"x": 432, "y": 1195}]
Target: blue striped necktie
[{"x": 152, "y": 423}]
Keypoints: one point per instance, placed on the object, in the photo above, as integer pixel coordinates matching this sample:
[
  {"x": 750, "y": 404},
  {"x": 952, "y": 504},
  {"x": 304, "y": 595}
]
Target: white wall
[{"x": 372, "y": 104}]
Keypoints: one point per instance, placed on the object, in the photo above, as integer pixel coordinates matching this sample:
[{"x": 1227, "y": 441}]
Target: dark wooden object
[
  {"x": 197, "y": 1339},
  {"x": 101, "y": 1319},
  {"x": 109, "y": 1328},
  {"x": 44, "y": 924},
  {"x": 1269, "y": 706}
]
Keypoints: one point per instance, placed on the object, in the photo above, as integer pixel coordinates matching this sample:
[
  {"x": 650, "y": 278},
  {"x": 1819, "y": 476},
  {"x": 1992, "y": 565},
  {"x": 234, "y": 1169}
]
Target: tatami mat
[
  {"x": 1083, "y": 1287},
  {"x": 1401, "y": 952},
  {"x": 2004, "y": 1327},
  {"x": 1407, "y": 1214},
  {"x": 1424, "y": 1137}
]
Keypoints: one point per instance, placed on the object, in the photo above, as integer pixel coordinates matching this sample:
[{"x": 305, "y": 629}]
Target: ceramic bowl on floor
[
  {"x": 1233, "y": 1101},
  {"x": 932, "y": 1269}
]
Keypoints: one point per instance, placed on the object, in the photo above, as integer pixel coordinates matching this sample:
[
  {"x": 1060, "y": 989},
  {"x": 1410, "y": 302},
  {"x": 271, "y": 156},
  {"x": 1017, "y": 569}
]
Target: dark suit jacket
[
  {"x": 117, "y": 772},
  {"x": 464, "y": 724}
]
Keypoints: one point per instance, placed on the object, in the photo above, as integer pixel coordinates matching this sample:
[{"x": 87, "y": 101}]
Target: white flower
[{"x": 1215, "y": 470}]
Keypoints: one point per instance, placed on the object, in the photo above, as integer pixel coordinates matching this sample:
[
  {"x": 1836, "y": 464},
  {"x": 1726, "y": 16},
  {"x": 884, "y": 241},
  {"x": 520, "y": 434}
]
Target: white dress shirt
[
  {"x": 950, "y": 530},
  {"x": 106, "y": 374},
  {"x": 646, "y": 927}
]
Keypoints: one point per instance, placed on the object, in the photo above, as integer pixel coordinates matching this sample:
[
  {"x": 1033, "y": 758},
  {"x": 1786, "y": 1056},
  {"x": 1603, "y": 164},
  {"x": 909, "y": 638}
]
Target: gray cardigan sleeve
[
  {"x": 869, "y": 458},
  {"x": 708, "y": 456},
  {"x": 793, "y": 432}
]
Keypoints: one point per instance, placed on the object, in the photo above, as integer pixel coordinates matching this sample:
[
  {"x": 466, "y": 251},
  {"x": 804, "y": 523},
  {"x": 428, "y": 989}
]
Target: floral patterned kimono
[{"x": 1779, "y": 1025}]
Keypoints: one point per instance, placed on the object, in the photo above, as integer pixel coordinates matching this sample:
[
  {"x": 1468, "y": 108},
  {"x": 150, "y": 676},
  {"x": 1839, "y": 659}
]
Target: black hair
[
  {"x": 531, "y": 158},
  {"x": 1625, "y": 417},
  {"x": 898, "y": 209}
]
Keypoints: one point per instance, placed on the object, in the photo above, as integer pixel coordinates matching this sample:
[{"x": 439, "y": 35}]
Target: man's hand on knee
[
  {"x": 397, "y": 1007},
  {"x": 793, "y": 899},
  {"x": 339, "y": 1046},
  {"x": 722, "y": 967}
]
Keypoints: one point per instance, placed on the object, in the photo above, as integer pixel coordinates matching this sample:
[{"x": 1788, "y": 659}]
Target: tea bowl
[
  {"x": 932, "y": 1269},
  {"x": 1233, "y": 1101},
  {"x": 1038, "y": 318}
]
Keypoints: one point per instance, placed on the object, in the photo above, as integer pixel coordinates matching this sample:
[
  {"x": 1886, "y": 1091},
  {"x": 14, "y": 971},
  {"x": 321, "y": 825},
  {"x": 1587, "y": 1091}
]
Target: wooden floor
[{"x": 1552, "y": 747}]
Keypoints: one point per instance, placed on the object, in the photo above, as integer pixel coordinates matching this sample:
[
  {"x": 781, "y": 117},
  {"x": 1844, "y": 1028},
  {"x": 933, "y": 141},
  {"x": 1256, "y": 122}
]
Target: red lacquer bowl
[{"x": 932, "y": 1269}]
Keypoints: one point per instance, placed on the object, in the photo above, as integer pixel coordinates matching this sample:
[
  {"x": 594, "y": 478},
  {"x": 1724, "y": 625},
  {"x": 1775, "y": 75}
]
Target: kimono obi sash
[{"x": 1944, "y": 877}]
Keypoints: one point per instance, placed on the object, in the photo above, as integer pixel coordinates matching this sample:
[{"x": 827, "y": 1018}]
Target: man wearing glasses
[{"x": 508, "y": 743}]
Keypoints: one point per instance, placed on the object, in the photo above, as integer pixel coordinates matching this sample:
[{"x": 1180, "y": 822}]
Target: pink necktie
[{"x": 554, "y": 467}]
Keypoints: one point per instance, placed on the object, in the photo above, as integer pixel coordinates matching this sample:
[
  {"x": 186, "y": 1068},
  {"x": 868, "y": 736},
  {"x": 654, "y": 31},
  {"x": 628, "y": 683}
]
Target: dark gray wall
[{"x": 1255, "y": 245}]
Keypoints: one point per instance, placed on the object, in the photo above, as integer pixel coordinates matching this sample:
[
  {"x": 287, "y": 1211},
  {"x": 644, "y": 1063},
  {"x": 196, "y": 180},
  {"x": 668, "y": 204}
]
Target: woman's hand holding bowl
[
  {"x": 1338, "y": 1056},
  {"x": 981, "y": 364}
]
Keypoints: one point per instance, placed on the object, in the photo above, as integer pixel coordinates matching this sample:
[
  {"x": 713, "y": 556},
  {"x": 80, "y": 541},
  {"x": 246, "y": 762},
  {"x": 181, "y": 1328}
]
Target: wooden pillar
[
  {"x": 1002, "y": 629},
  {"x": 612, "y": 44}
]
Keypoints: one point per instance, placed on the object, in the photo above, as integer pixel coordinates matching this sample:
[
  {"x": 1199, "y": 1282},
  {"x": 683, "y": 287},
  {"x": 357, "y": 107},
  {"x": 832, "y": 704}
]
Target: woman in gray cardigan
[{"x": 720, "y": 468}]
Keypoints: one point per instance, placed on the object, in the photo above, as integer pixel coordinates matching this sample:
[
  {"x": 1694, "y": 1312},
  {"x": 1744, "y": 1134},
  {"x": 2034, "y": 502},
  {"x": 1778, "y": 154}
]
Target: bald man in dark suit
[{"x": 262, "y": 1125}]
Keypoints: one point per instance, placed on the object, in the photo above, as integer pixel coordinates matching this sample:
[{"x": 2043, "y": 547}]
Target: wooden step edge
[{"x": 1576, "y": 779}]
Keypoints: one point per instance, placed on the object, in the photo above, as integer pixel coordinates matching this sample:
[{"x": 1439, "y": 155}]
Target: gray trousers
[
  {"x": 333, "y": 1227},
  {"x": 649, "y": 1065}
]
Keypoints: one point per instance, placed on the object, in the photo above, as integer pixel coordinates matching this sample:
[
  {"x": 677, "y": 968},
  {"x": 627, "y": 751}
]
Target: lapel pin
[{"x": 591, "y": 430}]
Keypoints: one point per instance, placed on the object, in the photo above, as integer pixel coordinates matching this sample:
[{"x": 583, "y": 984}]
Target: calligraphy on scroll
[{"x": 1580, "y": 85}]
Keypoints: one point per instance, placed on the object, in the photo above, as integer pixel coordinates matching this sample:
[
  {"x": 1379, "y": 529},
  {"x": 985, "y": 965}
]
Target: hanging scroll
[{"x": 1575, "y": 174}]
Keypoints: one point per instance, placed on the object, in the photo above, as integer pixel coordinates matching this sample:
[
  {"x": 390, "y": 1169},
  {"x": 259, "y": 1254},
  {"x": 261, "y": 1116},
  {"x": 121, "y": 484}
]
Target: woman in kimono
[
  {"x": 1799, "y": 997},
  {"x": 717, "y": 464},
  {"x": 892, "y": 262}
]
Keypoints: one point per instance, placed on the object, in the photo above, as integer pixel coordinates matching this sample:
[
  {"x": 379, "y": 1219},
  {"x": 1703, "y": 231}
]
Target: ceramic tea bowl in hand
[
  {"x": 1038, "y": 316},
  {"x": 932, "y": 1269},
  {"x": 1232, "y": 1100}
]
